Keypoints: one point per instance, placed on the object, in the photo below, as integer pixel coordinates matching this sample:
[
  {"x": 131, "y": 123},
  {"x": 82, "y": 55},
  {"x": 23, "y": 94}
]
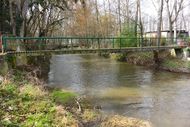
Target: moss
[{"x": 63, "y": 97}]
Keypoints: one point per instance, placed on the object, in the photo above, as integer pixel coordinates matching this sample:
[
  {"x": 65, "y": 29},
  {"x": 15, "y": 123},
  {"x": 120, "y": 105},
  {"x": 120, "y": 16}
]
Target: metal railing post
[
  {"x": 120, "y": 42},
  {"x": 71, "y": 44},
  {"x": 4, "y": 45},
  {"x": 1, "y": 41},
  {"x": 98, "y": 43},
  {"x": 113, "y": 43}
]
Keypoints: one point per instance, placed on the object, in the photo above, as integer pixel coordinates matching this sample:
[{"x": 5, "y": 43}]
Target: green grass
[
  {"x": 175, "y": 63},
  {"x": 31, "y": 106},
  {"x": 20, "y": 108},
  {"x": 63, "y": 97}
]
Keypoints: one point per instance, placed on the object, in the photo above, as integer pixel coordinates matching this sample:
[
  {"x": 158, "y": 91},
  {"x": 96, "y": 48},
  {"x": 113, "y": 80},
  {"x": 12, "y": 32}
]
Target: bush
[{"x": 127, "y": 37}]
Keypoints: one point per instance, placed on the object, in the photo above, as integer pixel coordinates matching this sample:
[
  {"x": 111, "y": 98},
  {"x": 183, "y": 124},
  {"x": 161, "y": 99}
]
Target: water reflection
[{"x": 158, "y": 96}]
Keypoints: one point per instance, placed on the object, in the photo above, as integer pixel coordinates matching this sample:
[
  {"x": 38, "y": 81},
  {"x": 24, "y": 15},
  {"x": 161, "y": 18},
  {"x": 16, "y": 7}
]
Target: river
[{"x": 120, "y": 88}]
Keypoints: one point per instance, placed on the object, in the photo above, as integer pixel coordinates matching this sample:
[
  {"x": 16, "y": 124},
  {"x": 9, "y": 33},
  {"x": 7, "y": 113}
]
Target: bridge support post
[{"x": 156, "y": 56}]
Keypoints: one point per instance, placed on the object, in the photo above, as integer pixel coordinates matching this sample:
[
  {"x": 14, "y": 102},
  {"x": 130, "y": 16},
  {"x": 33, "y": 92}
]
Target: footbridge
[{"x": 81, "y": 45}]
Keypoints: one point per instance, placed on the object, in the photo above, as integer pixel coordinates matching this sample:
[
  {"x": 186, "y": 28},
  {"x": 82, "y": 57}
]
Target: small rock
[{"x": 10, "y": 108}]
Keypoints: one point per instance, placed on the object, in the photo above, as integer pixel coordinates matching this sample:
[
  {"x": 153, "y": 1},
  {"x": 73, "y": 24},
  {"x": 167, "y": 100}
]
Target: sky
[{"x": 149, "y": 11}]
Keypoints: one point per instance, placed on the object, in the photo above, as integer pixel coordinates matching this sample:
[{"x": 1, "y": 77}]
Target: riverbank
[
  {"x": 25, "y": 101},
  {"x": 165, "y": 61}
]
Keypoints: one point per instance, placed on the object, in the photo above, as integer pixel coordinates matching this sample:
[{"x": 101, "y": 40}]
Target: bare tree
[
  {"x": 12, "y": 20},
  {"x": 119, "y": 14},
  {"x": 173, "y": 11},
  {"x": 159, "y": 22}
]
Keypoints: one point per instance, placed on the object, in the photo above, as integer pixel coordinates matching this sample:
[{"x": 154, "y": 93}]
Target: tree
[
  {"x": 173, "y": 10},
  {"x": 138, "y": 21},
  {"x": 4, "y": 17},
  {"x": 160, "y": 11},
  {"x": 34, "y": 17}
]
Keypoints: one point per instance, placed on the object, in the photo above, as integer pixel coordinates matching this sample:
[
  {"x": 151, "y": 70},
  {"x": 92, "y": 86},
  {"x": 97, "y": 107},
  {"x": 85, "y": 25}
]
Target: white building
[{"x": 166, "y": 34}]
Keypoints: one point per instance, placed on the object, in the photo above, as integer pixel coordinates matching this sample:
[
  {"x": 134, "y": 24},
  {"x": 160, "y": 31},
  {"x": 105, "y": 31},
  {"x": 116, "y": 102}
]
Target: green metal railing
[{"x": 73, "y": 43}]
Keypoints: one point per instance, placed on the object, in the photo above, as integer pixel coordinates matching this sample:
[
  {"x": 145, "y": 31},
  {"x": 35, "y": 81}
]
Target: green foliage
[
  {"x": 30, "y": 105},
  {"x": 21, "y": 108},
  {"x": 127, "y": 37},
  {"x": 118, "y": 56},
  {"x": 10, "y": 88},
  {"x": 39, "y": 120},
  {"x": 63, "y": 97},
  {"x": 170, "y": 64},
  {"x": 186, "y": 49},
  {"x": 32, "y": 91},
  {"x": 11, "y": 60},
  {"x": 174, "y": 63}
]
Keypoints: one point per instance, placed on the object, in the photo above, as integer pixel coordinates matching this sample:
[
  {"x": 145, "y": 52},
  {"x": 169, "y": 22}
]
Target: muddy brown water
[{"x": 120, "y": 88}]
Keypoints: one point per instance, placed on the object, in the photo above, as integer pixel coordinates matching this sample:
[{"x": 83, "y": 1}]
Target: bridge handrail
[{"x": 75, "y": 37}]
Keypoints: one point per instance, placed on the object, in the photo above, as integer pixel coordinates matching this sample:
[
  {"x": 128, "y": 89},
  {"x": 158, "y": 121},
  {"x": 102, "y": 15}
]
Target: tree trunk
[
  {"x": 97, "y": 18},
  {"x": 136, "y": 17},
  {"x": 13, "y": 24},
  {"x": 141, "y": 26},
  {"x": 159, "y": 22},
  {"x": 119, "y": 12},
  {"x": 171, "y": 31}
]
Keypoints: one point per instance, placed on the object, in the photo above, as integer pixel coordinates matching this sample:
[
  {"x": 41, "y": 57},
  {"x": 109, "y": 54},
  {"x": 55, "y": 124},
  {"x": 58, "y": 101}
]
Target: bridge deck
[{"x": 102, "y": 50}]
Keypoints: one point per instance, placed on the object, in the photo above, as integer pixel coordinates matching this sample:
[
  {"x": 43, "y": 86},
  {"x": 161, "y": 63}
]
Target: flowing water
[{"x": 120, "y": 88}]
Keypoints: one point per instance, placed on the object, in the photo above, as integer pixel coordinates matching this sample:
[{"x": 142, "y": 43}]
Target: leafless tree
[
  {"x": 173, "y": 10},
  {"x": 159, "y": 21}
]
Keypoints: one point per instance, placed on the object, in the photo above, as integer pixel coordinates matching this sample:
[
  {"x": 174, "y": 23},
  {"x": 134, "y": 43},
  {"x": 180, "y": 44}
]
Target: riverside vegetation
[
  {"x": 26, "y": 102},
  {"x": 166, "y": 61}
]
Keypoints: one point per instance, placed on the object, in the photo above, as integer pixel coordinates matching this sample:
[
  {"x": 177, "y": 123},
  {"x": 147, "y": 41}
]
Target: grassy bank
[
  {"x": 166, "y": 61},
  {"x": 25, "y": 102},
  {"x": 137, "y": 58},
  {"x": 175, "y": 65},
  {"x": 29, "y": 104}
]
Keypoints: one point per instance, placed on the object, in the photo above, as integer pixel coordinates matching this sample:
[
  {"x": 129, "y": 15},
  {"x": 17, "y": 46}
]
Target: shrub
[{"x": 127, "y": 37}]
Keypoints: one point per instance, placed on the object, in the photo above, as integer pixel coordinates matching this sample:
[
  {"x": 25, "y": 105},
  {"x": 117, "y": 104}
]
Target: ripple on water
[{"x": 120, "y": 88}]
